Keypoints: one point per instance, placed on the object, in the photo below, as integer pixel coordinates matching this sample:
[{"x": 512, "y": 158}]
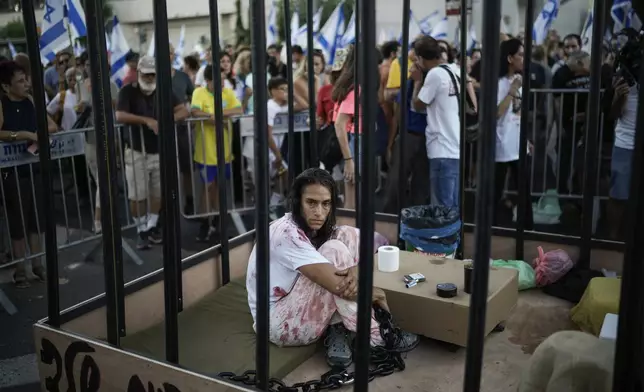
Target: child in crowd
[
  {"x": 278, "y": 103},
  {"x": 205, "y": 155}
]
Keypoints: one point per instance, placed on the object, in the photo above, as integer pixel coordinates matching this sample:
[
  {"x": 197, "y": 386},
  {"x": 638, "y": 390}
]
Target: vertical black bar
[
  {"x": 629, "y": 355},
  {"x": 463, "y": 111},
  {"x": 169, "y": 193},
  {"x": 526, "y": 121},
  {"x": 369, "y": 103},
  {"x": 47, "y": 213},
  {"x": 485, "y": 193},
  {"x": 290, "y": 138},
  {"x": 403, "y": 110},
  {"x": 314, "y": 161},
  {"x": 221, "y": 153},
  {"x": 261, "y": 188},
  {"x": 593, "y": 121},
  {"x": 107, "y": 171},
  {"x": 358, "y": 52}
]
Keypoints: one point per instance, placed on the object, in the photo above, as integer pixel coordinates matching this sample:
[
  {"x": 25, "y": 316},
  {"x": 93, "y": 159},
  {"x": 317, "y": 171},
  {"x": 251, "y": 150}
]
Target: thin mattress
[{"x": 216, "y": 335}]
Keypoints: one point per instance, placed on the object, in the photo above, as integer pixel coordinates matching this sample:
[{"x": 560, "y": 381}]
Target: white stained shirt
[
  {"x": 273, "y": 109},
  {"x": 290, "y": 249},
  {"x": 69, "y": 113},
  {"x": 443, "y": 123},
  {"x": 508, "y": 126},
  {"x": 625, "y": 128}
]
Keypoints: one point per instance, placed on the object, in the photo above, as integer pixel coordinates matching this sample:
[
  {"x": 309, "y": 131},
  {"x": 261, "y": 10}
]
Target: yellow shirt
[
  {"x": 205, "y": 140},
  {"x": 394, "y": 79}
]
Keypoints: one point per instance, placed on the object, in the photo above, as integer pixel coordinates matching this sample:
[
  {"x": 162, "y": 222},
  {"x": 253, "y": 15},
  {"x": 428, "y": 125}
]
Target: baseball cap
[
  {"x": 339, "y": 59},
  {"x": 147, "y": 65}
]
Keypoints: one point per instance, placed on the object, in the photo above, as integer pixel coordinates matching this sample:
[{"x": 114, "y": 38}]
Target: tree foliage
[{"x": 300, "y": 7}]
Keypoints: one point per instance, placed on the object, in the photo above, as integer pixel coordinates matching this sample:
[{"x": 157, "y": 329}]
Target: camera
[{"x": 629, "y": 58}]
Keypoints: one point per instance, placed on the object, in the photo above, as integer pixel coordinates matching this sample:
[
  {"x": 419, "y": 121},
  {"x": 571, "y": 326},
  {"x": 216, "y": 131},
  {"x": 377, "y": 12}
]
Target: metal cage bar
[
  {"x": 290, "y": 138},
  {"x": 629, "y": 351},
  {"x": 526, "y": 98},
  {"x": 463, "y": 115},
  {"x": 262, "y": 255},
  {"x": 169, "y": 188},
  {"x": 51, "y": 245},
  {"x": 357, "y": 56},
  {"x": 313, "y": 137},
  {"x": 484, "y": 194},
  {"x": 593, "y": 121},
  {"x": 108, "y": 174},
  {"x": 221, "y": 152},
  {"x": 368, "y": 99},
  {"x": 402, "y": 110}
]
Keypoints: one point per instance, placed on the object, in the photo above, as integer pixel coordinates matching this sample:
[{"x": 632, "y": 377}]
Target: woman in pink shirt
[{"x": 344, "y": 98}]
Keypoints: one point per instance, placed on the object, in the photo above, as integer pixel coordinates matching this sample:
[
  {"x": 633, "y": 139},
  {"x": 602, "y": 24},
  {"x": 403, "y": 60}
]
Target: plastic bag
[
  {"x": 429, "y": 217},
  {"x": 551, "y": 266},
  {"x": 527, "y": 277}
]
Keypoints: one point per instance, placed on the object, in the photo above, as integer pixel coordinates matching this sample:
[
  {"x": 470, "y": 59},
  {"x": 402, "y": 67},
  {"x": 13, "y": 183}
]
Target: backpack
[{"x": 471, "y": 116}]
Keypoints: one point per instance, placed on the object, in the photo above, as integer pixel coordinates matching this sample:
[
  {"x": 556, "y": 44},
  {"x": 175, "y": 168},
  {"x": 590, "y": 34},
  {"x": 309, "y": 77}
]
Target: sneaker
[
  {"x": 154, "y": 236},
  {"x": 405, "y": 342},
  {"x": 205, "y": 232},
  {"x": 143, "y": 241},
  {"x": 338, "y": 346}
]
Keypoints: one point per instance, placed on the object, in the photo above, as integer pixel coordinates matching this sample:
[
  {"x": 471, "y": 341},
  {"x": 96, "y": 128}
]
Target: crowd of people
[{"x": 432, "y": 143}]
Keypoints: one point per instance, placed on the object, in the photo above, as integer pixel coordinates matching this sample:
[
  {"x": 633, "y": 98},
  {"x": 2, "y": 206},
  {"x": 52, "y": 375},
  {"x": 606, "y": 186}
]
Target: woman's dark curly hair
[{"x": 310, "y": 177}]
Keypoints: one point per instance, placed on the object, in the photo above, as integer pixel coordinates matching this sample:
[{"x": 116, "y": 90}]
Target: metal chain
[{"x": 386, "y": 362}]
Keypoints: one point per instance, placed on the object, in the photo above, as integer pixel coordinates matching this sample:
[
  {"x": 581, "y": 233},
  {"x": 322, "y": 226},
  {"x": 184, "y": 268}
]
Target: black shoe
[
  {"x": 338, "y": 346},
  {"x": 155, "y": 237},
  {"x": 143, "y": 241}
]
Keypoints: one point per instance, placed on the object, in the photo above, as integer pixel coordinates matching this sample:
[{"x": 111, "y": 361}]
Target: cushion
[
  {"x": 216, "y": 335},
  {"x": 601, "y": 297}
]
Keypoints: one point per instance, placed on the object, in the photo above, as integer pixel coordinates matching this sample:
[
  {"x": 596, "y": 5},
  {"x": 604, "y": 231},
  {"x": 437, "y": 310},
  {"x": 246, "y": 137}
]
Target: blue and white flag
[
  {"x": 119, "y": 49},
  {"x": 440, "y": 31},
  {"x": 330, "y": 36},
  {"x": 78, "y": 49},
  {"x": 76, "y": 17},
  {"x": 295, "y": 27},
  {"x": 427, "y": 23},
  {"x": 302, "y": 34},
  {"x": 12, "y": 49},
  {"x": 414, "y": 29},
  {"x": 543, "y": 22},
  {"x": 619, "y": 13},
  {"x": 472, "y": 42},
  {"x": 587, "y": 33},
  {"x": 271, "y": 26},
  {"x": 178, "y": 50},
  {"x": 349, "y": 35},
  {"x": 152, "y": 47},
  {"x": 53, "y": 37}
]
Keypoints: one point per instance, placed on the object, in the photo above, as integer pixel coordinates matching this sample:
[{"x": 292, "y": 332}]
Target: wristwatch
[{"x": 14, "y": 136}]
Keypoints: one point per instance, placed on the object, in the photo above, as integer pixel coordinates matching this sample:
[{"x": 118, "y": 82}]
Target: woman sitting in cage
[{"x": 313, "y": 274}]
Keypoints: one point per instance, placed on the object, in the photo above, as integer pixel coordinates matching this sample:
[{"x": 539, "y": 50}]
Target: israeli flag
[
  {"x": 12, "y": 49},
  {"x": 53, "y": 36},
  {"x": 302, "y": 34},
  {"x": 414, "y": 29},
  {"x": 426, "y": 24},
  {"x": 472, "y": 42},
  {"x": 633, "y": 21},
  {"x": 271, "y": 26},
  {"x": 78, "y": 49},
  {"x": 440, "y": 31},
  {"x": 330, "y": 36},
  {"x": 76, "y": 17},
  {"x": 542, "y": 25},
  {"x": 587, "y": 33},
  {"x": 178, "y": 50},
  {"x": 119, "y": 48},
  {"x": 349, "y": 35},
  {"x": 619, "y": 13},
  {"x": 295, "y": 27}
]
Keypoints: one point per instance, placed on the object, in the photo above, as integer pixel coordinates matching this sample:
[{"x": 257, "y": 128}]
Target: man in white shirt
[{"x": 438, "y": 96}]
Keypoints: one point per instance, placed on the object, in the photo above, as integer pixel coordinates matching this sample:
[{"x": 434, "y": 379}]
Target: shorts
[
  {"x": 20, "y": 207},
  {"x": 209, "y": 173},
  {"x": 183, "y": 149},
  {"x": 620, "y": 173},
  {"x": 143, "y": 175}
]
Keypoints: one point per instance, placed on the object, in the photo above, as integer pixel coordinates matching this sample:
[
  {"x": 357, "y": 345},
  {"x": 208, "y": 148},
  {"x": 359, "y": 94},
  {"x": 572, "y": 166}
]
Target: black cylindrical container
[{"x": 467, "y": 275}]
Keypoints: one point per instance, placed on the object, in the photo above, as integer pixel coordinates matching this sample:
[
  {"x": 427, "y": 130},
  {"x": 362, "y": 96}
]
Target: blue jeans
[
  {"x": 620, "y": 173},
  {"x": 444, "y": 175}
]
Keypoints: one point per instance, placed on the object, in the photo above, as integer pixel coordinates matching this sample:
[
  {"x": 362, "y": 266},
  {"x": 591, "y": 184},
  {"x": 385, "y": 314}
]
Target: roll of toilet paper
[{"x": 388, "y": 258}]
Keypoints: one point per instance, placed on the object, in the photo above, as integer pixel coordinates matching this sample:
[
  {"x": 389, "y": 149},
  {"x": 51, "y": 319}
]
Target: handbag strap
[{"x": 455, "y": 84}]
